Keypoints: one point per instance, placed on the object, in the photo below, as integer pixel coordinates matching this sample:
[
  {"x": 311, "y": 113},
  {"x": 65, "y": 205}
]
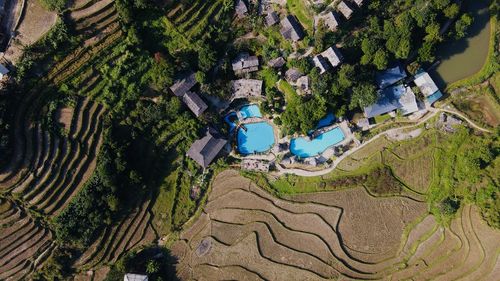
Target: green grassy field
[{"x": 302, "y": 12}]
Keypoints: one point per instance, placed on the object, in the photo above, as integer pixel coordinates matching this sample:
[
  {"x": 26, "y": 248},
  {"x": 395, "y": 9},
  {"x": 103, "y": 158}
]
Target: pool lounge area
[{"x": 303, "y": 147}]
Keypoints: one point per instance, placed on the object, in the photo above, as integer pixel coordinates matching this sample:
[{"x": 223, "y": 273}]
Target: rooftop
[
  {"x": 393, "y": 98},
  {"x": 272, "y": 18},
  {"x": 246, "y": 88},
  {"x": 291, "y": 28},
  {"x": 320, "y": 62},
  {"x": 184, "y": 84},
  {"x": 390, "y": 76},
  {"x": 425, "y": 83},
  {"x": 333, "y": 55},
  {"x": 329, "y": 19},
  {"x": 195, "y": 103},
  {"x": 359, "y": 2},
  {"x": 245, "y": 63},
  {"x": 204, "y": 150},
  {"x": 292, "y": 74},
  {"x": 345, "y": 9},
  {"x": 240, "y": 8},
  {"x": 277, "y": 62}
]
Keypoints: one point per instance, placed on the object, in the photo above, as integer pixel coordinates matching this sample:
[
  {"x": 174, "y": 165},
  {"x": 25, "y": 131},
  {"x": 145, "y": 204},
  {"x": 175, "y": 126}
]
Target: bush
[{"x": 54, "y": 5}]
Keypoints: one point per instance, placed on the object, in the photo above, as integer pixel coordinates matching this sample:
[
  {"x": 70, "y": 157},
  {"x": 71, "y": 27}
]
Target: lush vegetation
[{"x": 156, "y": 262}]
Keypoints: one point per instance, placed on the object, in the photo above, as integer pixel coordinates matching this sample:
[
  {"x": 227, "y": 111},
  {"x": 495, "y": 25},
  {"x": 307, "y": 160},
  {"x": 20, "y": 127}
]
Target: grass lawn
[
  {"x": 382, "y": 118},
  {"x": 302, "y": 12},
  {"x": 289, "y": 91}
]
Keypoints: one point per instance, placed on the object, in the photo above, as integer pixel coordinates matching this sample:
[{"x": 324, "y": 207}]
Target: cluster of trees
[{"x": 395, "y": 30}]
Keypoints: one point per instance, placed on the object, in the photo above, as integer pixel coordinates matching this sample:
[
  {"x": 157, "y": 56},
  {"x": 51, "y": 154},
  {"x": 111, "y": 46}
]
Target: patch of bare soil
[
  {"x": 64, "y": 116},
  {"x": 35, "y": 22}
]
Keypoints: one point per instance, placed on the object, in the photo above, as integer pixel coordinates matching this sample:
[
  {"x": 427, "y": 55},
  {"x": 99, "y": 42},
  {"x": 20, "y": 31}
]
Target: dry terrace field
[{"x": 245, "y": 233}]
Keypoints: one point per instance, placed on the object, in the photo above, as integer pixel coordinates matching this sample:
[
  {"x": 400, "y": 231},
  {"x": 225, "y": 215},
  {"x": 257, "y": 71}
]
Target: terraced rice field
[
  {"x": 132, "y": 231},
  {"x": 48, "y": 168},
  {"x": 245, "y": 233},
  {"x": 189, "y": 23},
  {"x": 24, "y": 243}
]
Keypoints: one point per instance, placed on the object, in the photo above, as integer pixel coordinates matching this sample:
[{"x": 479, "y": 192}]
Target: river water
[{"x": 464, "y": 57}]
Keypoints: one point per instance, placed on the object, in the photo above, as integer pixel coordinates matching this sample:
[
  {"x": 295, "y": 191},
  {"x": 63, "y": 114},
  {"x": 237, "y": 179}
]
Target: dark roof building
[
  {"x": 181, "y": 86},
  {"x": 272, "y": 18},
  {"x": 244, "y": 63},
  {"x": 345, "y": 10},
  {"x": 204, "y": 150},
  {"x": 393, "y": 98},
  {"x": 390, "y": 76},
  {"x": 292, "y": 75},
  {"x": 195, "y": 103},
  {"x": 291, "y": 29},
  {"x": 320, "y": 62},
  {"x": 277, "y": 62},
  {"x": 331, "y": 55},
  {"x": 240, "y": 9},
  {"x": 3, "y": 71}
]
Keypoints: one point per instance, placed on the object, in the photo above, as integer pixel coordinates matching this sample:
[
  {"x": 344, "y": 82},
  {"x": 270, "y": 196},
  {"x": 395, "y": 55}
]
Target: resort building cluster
[{"x": 257, "y": 141}]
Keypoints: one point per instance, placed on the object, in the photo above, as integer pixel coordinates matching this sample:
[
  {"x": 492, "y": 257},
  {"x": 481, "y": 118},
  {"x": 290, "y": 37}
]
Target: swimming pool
[
  {"x": 305, "y": 148},
  {"x": 255, "y": 138},
  {"x": 248, "y": 111}
]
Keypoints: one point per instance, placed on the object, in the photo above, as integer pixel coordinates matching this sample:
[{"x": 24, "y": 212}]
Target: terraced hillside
[
  {"x": 246, "y": 233},
  {"x": 50, "y": 164},
  {"x": 187, "y": 24},
  {"x": 24, "y": 242},
  {"x": 54, "y": 168}
]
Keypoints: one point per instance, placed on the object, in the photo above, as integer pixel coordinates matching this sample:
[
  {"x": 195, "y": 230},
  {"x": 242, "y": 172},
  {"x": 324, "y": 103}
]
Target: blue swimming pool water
[
  {"x": 228, "y": 118},
  {"x": 304, "y": 148},
  {"x": 326, "y": 121},
  {"x": 249, "y": 111},
  {"x": 258, "y": 137}
]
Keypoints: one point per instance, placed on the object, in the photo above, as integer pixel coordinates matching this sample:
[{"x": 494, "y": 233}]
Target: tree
[
  {"x": 206, "y": 57},
  {"x": 432, "y": 31},
  {"x": 346, "y": 76},
  {"x": 426, "y": 52},
  {"x": 369, "y": 47},
  {"x": 152, "y": 267},
  {"x": 319, "y": 37},
  {"x": 461, "y": 25},
  {"x": 380, "y": 59},
  {"x": 363, "y": 95},
  {"x": 452, "y": 11},
  {"x": 162, "y": 72}
]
